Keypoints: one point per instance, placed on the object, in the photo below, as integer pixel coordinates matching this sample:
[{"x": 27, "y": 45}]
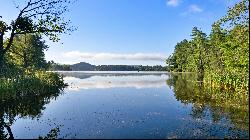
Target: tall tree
[
  {"x": 28, "y": 51},
  {"x": 223, "y": 56},
  {"x": 171, "y": 63},
  {"x": 217, "y": 40},
  {"x": 182, "y": 50},
  {"x": 37, "y": 16},
  {"x": 199, "y": 40}
]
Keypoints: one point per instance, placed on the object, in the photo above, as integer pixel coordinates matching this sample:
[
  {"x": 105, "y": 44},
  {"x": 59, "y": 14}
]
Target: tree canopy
[
  {"x": 43, "y": 17},
  {"x": 223, "y": 55},
  {"x": 28, "y": 51}
]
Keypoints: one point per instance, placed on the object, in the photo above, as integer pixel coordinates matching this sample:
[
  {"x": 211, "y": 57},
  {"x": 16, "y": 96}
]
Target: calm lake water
[{"x": 131, "y": 105}]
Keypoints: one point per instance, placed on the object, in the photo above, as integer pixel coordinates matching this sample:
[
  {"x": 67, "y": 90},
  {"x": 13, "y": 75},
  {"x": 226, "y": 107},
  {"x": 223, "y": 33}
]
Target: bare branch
[
  {"x": 40, "y": 16},
  {"x": 33, "y": 15},
  {"x": 37, "y": 31},
  {"x": 14, "y": 29},
  {"x": 40, "y": 6}
]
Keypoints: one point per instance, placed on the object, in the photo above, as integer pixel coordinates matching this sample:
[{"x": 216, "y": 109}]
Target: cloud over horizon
[{"x": 76, "y": 55}]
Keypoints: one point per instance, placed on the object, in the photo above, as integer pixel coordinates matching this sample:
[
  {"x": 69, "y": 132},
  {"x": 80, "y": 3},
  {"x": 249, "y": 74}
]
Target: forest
[
  {"x": 220, "y": 58},
  {"x": 129, "y": 68},
  {"x": 22, "y": 45},
  {"x": 83, "y": 66}
]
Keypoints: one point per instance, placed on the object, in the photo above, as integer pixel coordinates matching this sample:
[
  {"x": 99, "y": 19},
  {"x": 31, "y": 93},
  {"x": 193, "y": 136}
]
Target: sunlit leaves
[
  {"x": 224, "y": 54},
  {"x": 28, "y": 51},
  {"x": 44, "y": 17},
  {"x": 236, "y": 15}
]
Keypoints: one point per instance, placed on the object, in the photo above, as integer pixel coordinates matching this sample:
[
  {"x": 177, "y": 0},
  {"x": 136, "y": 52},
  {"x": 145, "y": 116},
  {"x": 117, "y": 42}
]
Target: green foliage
[
  {"x": 238, "y": 15},
  {"x": 26, "y": 96},
  {"x": 28, "y": 52},
  {"x": 37, "y": 82},
  {"x": 25, "y": 86},
  {"x": 82, "y": 66},
  {"x": 223, "y": 56},
  {"x": 37, "y": 17},
  {"x": 52, "y": 66},
  {"x": 128, "y": 68}
]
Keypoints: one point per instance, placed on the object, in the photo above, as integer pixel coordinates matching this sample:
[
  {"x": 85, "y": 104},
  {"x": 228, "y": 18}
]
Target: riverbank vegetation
[
  {"x": 22, "y": 58},
  {"x": 25, "y": 86},
  {"x": 26, "y": 98},
  {"x": 222, "y": 57}
]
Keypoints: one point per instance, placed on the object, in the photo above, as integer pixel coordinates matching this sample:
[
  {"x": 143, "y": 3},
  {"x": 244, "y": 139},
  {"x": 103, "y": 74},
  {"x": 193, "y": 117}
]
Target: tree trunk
[
  {"x": 1, "y": 64},
  {"x": 2, "y": 134},
  {"x": 25, "y": 61},
  {"x": 1, "y": 54}
]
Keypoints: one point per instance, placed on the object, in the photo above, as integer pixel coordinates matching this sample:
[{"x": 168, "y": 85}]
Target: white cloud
[
  {"x": 173, "y": 3},
  {"x": 191, "y": 10},
  {"x": 195, "y": 8},
  {"x": 114, "y": 56}
]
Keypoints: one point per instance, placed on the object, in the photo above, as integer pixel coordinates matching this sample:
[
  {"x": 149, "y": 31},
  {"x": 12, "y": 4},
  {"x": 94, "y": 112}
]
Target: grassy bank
[{"x": 31, "y": 82}]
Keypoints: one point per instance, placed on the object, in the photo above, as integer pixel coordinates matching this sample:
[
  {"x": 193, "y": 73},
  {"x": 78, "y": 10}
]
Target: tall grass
[{"x": 31, "y": 82}]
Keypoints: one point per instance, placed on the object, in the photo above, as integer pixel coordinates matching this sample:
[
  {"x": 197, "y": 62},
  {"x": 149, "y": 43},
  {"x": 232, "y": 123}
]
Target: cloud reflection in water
[{"x": 116, "y": 81}]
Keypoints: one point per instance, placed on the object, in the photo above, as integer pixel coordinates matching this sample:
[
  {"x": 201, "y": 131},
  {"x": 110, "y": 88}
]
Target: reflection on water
[
  {"x": 218, "y": 104},
  {"x": 104, "y": 82},
  {"x": 15, "y": 105},
  {"x": 127, "y": 105}
]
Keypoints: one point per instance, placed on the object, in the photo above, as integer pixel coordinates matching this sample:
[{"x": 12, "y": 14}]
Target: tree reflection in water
[
  {"x": 27, "y": 103},
  {"x": 220, "y": 103}
]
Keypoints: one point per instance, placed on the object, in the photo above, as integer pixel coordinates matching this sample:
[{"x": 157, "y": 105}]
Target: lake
[{"x": 129, "y": 105}]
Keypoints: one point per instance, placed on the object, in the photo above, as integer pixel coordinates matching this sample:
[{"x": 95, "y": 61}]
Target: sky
[{"x": 127, "y": 32}]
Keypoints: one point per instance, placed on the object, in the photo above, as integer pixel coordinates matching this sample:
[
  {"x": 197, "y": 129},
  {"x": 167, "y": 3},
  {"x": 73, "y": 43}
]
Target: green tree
[
  {"x": 231, "y": 38},
  {"x": 223, "y": 57},
  {"x": 182, "y": 52},
  {"x": 38, "y": 16},
  {"x": 171, "y": 63},
  {"x": 28, "y": 51},
  {"x": 199, "y": 41},
  {"x": 217, "y": 39}
]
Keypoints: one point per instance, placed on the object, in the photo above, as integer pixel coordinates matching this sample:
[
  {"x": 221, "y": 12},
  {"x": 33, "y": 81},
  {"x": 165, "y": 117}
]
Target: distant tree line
[
  {"x": 58, "y": 67},
  {"x": 129, "y": 68},
  {"x": 88, "y": 67}
]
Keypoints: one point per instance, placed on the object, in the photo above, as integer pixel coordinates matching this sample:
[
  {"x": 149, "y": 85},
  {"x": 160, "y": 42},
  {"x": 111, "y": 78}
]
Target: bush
[{"x": 31, "y": 82}]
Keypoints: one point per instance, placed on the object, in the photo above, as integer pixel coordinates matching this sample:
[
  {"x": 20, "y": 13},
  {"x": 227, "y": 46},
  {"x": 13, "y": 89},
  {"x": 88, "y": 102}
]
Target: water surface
[{"x": 130, "y": 105}]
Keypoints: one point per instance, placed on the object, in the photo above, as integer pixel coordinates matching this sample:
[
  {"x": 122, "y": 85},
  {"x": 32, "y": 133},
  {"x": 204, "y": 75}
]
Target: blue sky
[{"x": 127, "y": 31}]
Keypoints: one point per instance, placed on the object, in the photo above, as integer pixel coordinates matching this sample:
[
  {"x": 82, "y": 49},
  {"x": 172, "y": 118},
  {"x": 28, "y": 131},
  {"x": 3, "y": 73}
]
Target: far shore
[{"x": 118, "y": 72}]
